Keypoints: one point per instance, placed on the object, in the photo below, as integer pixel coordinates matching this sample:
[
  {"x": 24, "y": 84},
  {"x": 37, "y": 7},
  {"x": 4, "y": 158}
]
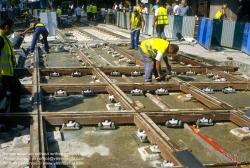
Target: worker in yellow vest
[
  {"x": 139, "y": 7},
  {"x": 8, "y": 78},
  {"x": 89, "y": 12},
  {"x": 94, "y": 12},
  {"x": 137, "y": 23},
  {"x": 47, "y": 10},
  {"x": 160, "y": 20},
  {"x": 221, "y": 14},
  {"x": 59, "y": 14},
  {"x": 27, "y": 17},
  {"x": 153, "y": 50}
]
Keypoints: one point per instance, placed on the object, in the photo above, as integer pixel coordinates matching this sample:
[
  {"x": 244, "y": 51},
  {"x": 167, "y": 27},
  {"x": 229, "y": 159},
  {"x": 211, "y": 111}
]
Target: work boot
[{"x": 130, "y": 48}]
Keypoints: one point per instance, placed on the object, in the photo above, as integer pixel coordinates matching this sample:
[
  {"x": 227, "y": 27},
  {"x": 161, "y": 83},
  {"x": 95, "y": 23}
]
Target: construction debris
[{"x": 241, "y": 133}]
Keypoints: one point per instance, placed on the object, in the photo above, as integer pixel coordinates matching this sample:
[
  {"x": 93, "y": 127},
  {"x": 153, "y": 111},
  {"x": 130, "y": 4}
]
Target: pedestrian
[
  {"x": 176, "y": 10},
  {"x": 59, "y": 14},
  {"x": 169, "y": 9},
  {"x": 160, "y": 20},
  {"x": 124, "y": 9},
  {"x": 78, "y": 12},
  {"x": 50, "y": 3},
  {"x": 94, "y": 12},
  {"x": 154, "y": 8},
  {"x": 40, "y": 29},
  {"x": 221, "y": 14},
  {"x": 89, "y": 12},
  {"x": 130, "y": 8},
  {"x": 53, "y": 9},
  {"x": 27, "y": 17},
  {"x": 120, "y": 6},
  {"x": 42, "y": 4},
  {"x": 32, "y": 9},
  {"x": 71, "y": 7},
  {"x": 136, "y": 24},
  {"x": 47, "y": 10},
  {"x": 184, "y": 9},
  {"x": 83, "y": 9},
  {"x": 139, "y": 7},
  {"x": 153, "y": 50},
  {"x": 144, "y": 9},
  {"x": 114, "y": 6},
  {"x": 8, "y": 78}
]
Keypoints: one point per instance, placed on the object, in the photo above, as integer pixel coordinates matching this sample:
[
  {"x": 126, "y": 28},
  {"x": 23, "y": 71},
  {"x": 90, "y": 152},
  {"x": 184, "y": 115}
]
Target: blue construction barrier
[
  {"x": 228, "y": 33},
  {"x": 205, "y": 30},
  {"x": 246, "y": 39}
]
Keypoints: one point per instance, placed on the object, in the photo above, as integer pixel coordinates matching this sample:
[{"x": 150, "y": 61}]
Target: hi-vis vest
[
  {"x": 218, "y": 14},
  {"x": 139, "y": 9},
  {"x": 59, "y": 12},
  {"x": 162, "y": 16},
  {"x": 27, "y": 15},
  {"x": 47, "y": 10},
  {"x": 152, "y": 45},
  {"x": 135, "y": 21},
  {"x": 89, "y": 9},
  {"x": 7, "y": 58},
  {"x": 94, "y": 9},
  {"x": 40, "y": 25}
]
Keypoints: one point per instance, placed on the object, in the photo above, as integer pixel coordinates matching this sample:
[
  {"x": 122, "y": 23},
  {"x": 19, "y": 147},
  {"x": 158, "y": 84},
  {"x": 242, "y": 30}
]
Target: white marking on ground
[{"x": 83, "y": 149}]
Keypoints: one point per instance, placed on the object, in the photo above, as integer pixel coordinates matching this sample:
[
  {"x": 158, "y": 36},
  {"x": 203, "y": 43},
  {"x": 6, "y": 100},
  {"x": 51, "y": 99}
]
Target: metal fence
[
  {"x": 205, "y": 30},
  {"x": 179, "y": 26},
  {"x": 228, "y": 33},
  {"x": 246, "y": 39}
]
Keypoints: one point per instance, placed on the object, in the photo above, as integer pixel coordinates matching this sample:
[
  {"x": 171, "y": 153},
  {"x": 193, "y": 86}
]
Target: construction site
[{"x": 91, "y": 107}]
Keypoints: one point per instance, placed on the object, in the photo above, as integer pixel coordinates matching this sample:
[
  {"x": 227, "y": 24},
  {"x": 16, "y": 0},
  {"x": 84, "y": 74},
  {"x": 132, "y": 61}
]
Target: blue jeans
[
  {"x": 59, "y": 21},
  {"x": 149, "y": 66},
  {"x": 160, "y": 31},
  {"x": 27, "y": 23},
  {"x": 43, "y": 32},
  {"x": 135, "y": 38}
]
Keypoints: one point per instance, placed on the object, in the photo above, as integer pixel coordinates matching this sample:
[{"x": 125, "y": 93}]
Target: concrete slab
[
  {"x": 185, "y": 141},
  {"x": 242, "y": 98},
  {"x": 106, "y": 148},
  {"x": 77, "y": 103},
  {"x": 220, "y": 133}
]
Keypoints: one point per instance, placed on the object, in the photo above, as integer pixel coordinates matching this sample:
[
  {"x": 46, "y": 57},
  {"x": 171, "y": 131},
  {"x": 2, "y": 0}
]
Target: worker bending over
[
  {"x": 40, "y": 29},
  {"x": 153, "y": 50}
]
